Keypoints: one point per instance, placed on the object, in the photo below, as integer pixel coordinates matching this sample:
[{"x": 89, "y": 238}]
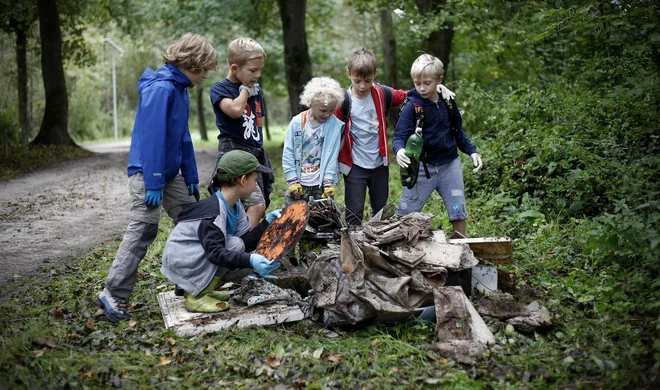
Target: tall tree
[
  {"x": 17, "y": 17},
  {"x": 201, "y": 103},
  {"x": 439, "y": 41},
  {"x": 54, "y": 126},
  {"x": 297, "y": 64},
  {"x": 389, "y": 47}
]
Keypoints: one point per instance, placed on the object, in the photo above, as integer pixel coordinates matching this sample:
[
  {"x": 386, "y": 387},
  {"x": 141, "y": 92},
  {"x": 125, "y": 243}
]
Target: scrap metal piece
[{"x": 284, "y": 233}]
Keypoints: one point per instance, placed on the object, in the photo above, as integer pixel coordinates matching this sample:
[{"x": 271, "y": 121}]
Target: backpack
[{"x": 419, "y": 121}]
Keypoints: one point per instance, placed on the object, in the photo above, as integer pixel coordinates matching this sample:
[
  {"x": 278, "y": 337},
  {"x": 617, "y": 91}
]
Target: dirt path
[{"x": 51, "y": 215}]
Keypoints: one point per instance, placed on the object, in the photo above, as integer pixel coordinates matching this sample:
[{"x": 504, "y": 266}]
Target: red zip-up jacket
[{"x": 346, "y": 149}]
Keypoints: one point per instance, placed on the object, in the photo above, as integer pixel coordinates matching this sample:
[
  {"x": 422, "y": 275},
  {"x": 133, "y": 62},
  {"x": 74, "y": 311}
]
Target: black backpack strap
[
  {"x": 450, "y": 112},
  {"x": 389, "y": 96},
  {"x": 419, "y": 122},
  {"x": 346, "y": 106}
]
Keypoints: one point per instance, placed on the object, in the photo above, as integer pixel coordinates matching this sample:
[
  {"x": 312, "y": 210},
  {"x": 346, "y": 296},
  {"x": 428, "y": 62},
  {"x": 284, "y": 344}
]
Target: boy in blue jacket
[
  {"x": 210, "y": 243},
  {"x": 161, "y": 163},
  {"x": 440, "y": 166},
  {"x": 311, "y": 143}
]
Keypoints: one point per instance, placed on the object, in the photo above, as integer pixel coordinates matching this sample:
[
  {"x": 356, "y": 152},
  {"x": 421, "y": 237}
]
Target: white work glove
[
  {"x": 402, "y": 159},
  {"x": 252, "y": 91},
  {"x": 476, "y": 160},
  {"x": 445, "y": 92}
]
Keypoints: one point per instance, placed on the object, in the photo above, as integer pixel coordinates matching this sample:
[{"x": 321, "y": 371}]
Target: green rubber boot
[
  {"x": 206, "y": 301},
  {"x": 210, "y": 290},
  {"x": 205, "y": 304}
]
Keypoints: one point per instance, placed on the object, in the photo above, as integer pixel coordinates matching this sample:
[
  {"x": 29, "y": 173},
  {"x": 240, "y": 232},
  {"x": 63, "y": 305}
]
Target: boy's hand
[
  {"x": 263, "y": 266},
  {"x": 445, "y": 92},
  {"x": 273, "y": 215},
  {"x": 153, "y": 198},
  {"x": 295, "y": 190},
  {"x": 193, "y": 189},
  {"x": 252, "y": 91},
  {"x": 402, "y": 159},
  {"x": 329, "y": 192},
  {"x": 476, "y": 160}
]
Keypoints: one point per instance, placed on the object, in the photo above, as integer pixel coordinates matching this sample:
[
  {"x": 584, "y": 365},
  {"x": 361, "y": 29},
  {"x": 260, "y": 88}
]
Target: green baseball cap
[{"x": 237, "y": 163}]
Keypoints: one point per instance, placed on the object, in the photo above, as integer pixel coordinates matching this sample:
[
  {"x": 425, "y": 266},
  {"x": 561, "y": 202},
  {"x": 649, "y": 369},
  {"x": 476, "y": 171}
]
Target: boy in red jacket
[{"x": 364, "y": 156}]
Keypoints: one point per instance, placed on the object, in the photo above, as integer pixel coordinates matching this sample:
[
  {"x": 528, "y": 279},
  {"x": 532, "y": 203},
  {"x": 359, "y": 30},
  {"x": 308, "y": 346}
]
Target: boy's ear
[{"x": 233, "y": 68}]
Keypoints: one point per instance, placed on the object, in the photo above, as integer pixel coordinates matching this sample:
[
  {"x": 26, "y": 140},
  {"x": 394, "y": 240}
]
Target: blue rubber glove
[
  {"x": 193, "y": 189},
  {"x": 273, "y": 215},
  {"x": 263, "y": 266},
  {"x": 153, "y": 198}
]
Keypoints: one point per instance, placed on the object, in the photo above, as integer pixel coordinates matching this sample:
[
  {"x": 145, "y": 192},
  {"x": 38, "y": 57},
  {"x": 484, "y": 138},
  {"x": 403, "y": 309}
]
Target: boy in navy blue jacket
[
  {"x": 161, "y": 162},
  {"x": 440, "y": 166}
]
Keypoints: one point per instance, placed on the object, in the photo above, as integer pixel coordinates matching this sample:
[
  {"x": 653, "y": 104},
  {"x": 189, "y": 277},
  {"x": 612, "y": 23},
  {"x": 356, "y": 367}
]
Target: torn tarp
[{"x": 351, "y": 292}]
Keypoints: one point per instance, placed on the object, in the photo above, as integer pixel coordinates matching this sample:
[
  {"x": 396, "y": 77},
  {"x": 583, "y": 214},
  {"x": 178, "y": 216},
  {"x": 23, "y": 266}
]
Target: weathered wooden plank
[{"x": 496, "y": 250}]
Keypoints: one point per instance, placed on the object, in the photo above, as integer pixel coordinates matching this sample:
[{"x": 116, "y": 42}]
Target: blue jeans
[{"x": 447, "y": 179}]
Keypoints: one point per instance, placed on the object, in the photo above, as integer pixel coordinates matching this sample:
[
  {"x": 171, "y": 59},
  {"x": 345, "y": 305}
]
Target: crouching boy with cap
[{"x": 211, "y": 242}]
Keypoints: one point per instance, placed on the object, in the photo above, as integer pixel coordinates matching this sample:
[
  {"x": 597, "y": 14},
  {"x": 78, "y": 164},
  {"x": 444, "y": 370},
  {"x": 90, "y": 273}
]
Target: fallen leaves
[
  {"x": 42, "y": 342},
  {"x": 164, "y": 360}
]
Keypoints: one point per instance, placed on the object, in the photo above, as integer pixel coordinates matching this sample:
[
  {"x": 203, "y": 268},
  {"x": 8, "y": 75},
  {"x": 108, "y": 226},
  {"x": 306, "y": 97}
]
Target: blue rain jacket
[{"x": 161, "y": 145}]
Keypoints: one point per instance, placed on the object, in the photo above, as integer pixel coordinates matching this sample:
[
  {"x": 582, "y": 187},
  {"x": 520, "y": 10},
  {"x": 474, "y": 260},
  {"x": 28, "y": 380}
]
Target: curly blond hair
[
  {"x": 427, "y": 65},
  {"x": 193, "y": 53},
  {"x": 242, "y": 50},
  {"x": 322, "y": 89}
]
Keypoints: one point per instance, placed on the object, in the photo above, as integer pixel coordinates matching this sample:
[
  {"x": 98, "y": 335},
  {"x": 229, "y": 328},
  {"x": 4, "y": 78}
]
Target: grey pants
[
  {"x": 142, "y": 231},
  {"x": 356, "y": 182}
]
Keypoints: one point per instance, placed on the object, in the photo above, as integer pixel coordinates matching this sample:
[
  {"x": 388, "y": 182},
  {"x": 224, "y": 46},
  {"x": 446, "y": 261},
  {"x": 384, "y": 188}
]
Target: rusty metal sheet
[{"x": 284, "y": 233}]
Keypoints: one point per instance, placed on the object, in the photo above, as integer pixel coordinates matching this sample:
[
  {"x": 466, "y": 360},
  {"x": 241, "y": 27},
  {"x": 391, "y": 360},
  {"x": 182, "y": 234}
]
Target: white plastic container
[{"x": 484, "y": 279}]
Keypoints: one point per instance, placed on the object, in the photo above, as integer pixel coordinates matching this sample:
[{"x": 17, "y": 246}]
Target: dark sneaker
[
  {"x": 178, "y": 291},
  {"x": 113, "y": 307}
]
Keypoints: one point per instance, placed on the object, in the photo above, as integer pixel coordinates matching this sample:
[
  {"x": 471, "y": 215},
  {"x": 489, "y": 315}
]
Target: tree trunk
[
  {"x": 439, "y": 42},
  {"x": 21, "y": 66},
  {"x": 297, "y": 65},
  {"x": 389, "y": 54},
  {"x": 389, "y": 47},
  {"x": 54, "y": 126},
  {"x": 200, "y": 113}
]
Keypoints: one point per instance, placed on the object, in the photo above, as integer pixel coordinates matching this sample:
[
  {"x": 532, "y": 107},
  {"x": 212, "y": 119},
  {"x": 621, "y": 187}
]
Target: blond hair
[
  {"x": 322, "y": 89},
  {"x": 427, "y": 65},
  {"x": 192, "y": 52},
  {"x": 242, "y": 50},
  {"x": 362, "y": 62}
]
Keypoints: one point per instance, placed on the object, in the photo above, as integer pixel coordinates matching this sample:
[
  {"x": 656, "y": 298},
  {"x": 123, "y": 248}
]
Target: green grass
[{"x": 603, "y": 336}]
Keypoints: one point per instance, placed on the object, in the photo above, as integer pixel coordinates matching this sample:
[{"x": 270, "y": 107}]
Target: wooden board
[
  {"x": 187, "y": 324},
  {"x": 496, "y": 250},
  {"x": 283, "y": 234}
]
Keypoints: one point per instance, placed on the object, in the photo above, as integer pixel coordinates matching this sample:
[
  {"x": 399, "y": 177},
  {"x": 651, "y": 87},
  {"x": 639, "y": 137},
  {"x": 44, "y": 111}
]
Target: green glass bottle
[{"x": 413, "y": 151}]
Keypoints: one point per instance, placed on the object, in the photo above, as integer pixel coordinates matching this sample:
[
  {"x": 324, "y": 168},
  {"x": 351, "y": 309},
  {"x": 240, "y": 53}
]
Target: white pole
[
  {"x": 114, "y": 82},
  {"x": 114, "y": 93}
]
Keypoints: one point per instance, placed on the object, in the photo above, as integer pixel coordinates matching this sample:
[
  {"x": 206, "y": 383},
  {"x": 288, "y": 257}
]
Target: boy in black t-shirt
[{"x": 239, "y": 110}]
